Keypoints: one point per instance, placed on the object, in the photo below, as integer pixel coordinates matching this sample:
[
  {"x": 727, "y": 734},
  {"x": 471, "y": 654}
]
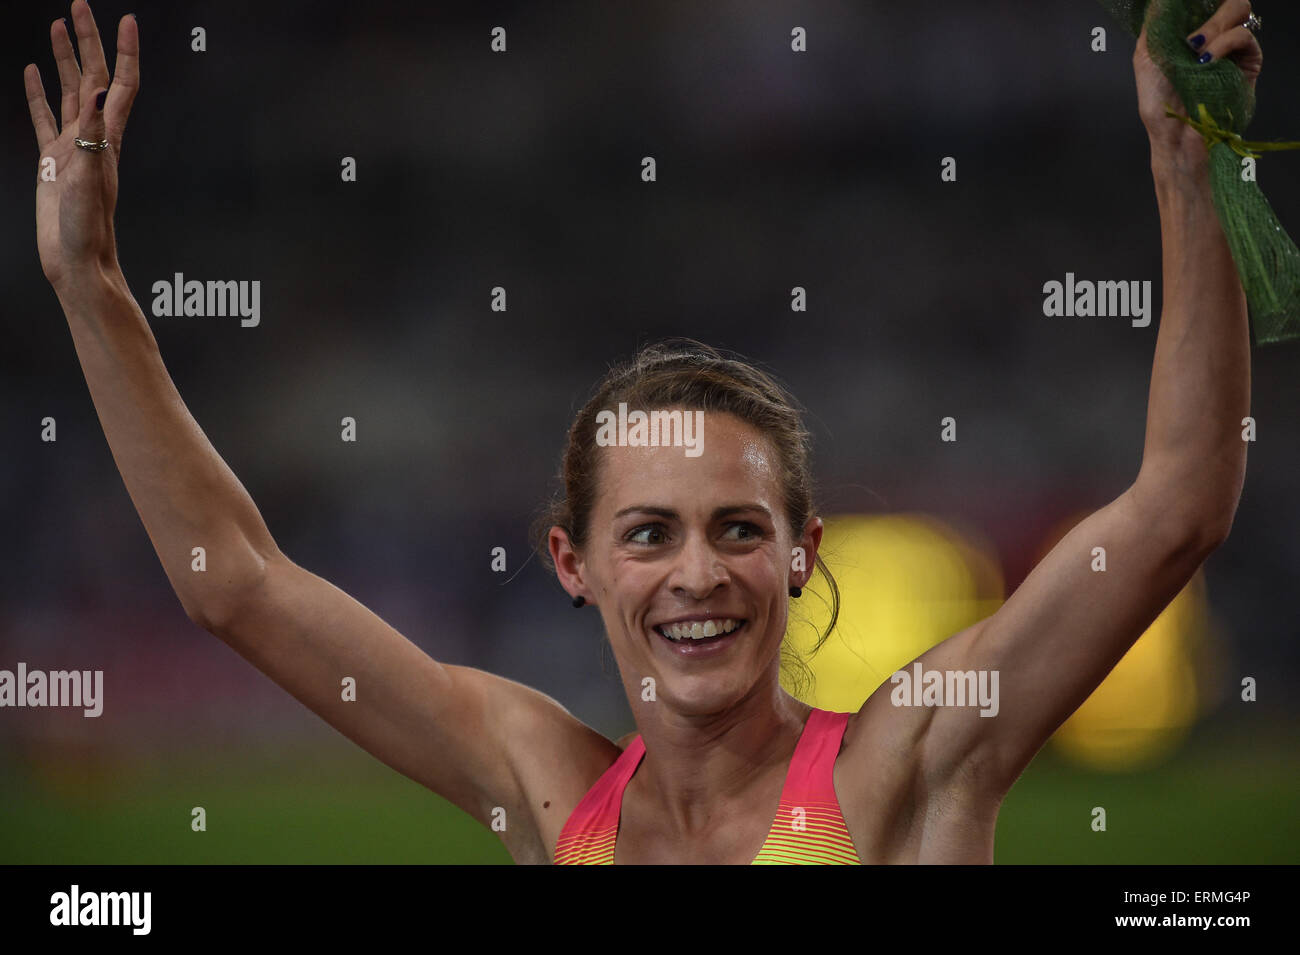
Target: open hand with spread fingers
[{"x": 76, "y": 185}]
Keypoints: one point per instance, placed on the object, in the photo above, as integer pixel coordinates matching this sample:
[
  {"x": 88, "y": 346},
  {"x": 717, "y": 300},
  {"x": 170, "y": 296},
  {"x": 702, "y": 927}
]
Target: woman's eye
[
  {"x": 743, "y": 531},
  {"x": 648, "y": 534}
]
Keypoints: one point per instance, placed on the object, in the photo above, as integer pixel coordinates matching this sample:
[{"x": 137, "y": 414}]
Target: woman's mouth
[{"x": 689, "y": 636}]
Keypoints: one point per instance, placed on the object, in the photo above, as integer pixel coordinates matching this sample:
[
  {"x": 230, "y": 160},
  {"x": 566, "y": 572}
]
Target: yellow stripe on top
[
  {"x": 813, "y": 834},
  {"x": 587, "y": 848},
  {"x": 808, "y": 829}
]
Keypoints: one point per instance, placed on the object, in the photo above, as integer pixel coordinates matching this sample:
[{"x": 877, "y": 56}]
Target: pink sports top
[{"x": 808, "y": 830}]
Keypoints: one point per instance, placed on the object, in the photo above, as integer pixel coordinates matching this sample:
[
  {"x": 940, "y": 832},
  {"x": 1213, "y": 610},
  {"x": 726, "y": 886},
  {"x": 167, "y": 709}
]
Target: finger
[
  {"x": 1230, "y": 14},
  {"x": 1238, "y": 42},
  {"x": 94, "y": 68},
  {"x": 126, "y": 81},
  {"x": 42, "y": 118},
  {"x": 90, "y": 124},
  {"x": 69, "y": 72}
]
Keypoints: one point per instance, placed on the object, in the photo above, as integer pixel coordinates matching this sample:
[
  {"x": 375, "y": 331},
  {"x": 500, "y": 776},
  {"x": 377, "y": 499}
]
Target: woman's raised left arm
[{"x": 1068, "y": 624}]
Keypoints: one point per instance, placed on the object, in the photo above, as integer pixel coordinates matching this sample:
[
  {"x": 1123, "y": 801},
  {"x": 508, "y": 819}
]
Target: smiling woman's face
[{"x": 682, "y": 547}]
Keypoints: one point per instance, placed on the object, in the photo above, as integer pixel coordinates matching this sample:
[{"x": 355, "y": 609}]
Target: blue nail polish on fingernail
[
  {"x": 1197, "y": 41},
  {"x": 1204, "y": 58},
  {"x": 99, "y": 99}
]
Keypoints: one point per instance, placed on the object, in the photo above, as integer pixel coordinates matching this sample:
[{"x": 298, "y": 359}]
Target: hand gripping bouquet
[{"x": 1222, "y": 104}]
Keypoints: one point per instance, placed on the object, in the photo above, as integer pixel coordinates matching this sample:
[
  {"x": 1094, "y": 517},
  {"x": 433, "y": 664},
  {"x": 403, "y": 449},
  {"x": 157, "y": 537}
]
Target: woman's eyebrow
[
  {"x": 729, "y": 509},
  {"x": 725, "y": 510},
  {"x": 647, "y": 509}
]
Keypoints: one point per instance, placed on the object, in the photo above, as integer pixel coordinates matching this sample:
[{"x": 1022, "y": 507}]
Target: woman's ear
[
  {"x": 567, "y": 560},
  {"x": 803, "y": 556}
]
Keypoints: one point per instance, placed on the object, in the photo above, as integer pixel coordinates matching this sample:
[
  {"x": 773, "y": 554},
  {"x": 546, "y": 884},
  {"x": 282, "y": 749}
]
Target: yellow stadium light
[{"x": 907, "y": 582}]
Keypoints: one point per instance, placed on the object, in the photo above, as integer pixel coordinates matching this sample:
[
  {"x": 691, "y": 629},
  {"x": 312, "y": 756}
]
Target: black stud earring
[
  {"x": 795, "y": 591},
  {"x": 579, "y": 600}
]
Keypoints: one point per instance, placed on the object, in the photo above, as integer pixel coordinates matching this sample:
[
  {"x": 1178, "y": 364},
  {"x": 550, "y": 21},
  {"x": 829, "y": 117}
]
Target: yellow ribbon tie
[{"x": 1214, "y": 133}]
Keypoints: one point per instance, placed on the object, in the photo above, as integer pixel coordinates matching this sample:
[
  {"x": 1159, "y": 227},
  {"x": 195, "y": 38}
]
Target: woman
[{"x": 690, "y": 559}]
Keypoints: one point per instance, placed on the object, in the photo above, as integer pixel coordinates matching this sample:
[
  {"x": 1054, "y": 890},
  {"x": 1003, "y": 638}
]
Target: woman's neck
[{"x": 695, "y": 766}]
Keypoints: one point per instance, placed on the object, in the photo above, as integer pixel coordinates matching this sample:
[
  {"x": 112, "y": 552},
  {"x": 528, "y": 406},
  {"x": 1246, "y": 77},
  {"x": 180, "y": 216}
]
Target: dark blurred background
[{"x": 522, "y": 170}]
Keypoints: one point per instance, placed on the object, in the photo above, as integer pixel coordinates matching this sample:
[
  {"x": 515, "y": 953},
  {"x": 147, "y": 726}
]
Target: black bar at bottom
[{"x": 646, "y": 906}]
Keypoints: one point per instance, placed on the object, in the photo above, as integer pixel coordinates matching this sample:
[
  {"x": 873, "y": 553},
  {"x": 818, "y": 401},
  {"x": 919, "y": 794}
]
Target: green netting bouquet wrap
[{"x": 1222, "y": 104}]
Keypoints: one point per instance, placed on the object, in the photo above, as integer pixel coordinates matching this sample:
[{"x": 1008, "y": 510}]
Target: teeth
[{"x": 698, "y": 630}]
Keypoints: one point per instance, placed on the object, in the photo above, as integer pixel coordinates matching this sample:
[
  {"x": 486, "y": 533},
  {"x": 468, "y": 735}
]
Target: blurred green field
[{"x": 1220, "y": 801}]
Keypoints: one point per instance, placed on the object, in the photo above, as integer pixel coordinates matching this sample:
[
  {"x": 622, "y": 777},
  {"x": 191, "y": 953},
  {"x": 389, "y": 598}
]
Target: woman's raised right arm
[{"x": 481, "y": 741}]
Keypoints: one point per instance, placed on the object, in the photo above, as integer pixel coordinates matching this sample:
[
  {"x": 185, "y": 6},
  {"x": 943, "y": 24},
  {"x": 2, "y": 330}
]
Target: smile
[{"x": 687, "y": 631}]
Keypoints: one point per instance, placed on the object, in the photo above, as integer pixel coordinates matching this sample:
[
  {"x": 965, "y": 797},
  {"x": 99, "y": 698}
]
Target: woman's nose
[{"x": 699, "y": 569}]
